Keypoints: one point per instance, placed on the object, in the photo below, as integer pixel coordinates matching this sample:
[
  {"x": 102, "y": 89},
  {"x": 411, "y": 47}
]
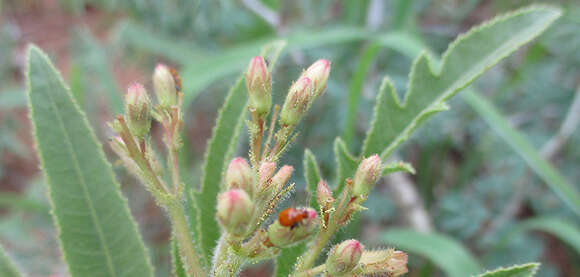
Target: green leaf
[
  {"x": 566, "y": 191},
  {"x": 201, "y": 73},
  {"x": 355, "y": 90},
  {"x": 346, "y": 164},
  {"x": 176, "y": 263},
  {"x": 97, "y": 234},
  {"x": 219, "y": 151},
  {"x": 137, "y": 36},
  {"x": 7, "y": 267},
  {"x": 287, "y": 259},
  {"x": 431, "y": 84},
  {"x": 566, "y": 231},
  {"x": 312, "y": 176},
  {"x": 440, "y": 249},
  {"x": 523, "y": 270},
  {"x": 398, "y": 166}
]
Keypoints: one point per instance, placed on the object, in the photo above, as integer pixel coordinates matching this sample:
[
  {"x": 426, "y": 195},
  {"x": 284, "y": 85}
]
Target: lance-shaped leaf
[
  {"x": 523, "y": 270},
  {"x": 346, "y": 164},
  {"x": 220, "y": 149},
  {"x": 430, "y": 84},
  {"x": 7, "y": 267},
  {"x": 312, "y": 176},
  {"x": 97, "y": 234}
]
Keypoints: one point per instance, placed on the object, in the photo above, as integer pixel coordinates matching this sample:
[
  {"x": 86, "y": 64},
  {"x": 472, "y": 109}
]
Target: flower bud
[
  {"x": 318, "y": 72},
  {"x": 324, "y": 195},
  {"x": 282, "y": 176},
  {"x": 343, "y": 258},
  {"x": 165, "y": 86},
  {"x": 259, "y": 85},
  {"x": 304, "y": 224},
  {"x": 138, "y": 110},
  {"x": 266, "y": 170},
  {"x": 234, "y": 211},
  {"x": 240, "y": 176},
  {"x": 367, "y": 173},
  {"x": 297, "y": 101},
  {"x": 384, "y": 262}
]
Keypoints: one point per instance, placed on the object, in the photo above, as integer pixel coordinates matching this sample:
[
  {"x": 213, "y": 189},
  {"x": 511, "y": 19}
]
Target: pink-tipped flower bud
[
  {"x": 297, "y": 101},
  {"x": 343, "y": 258},
  {"x": 387, "y": 262},
  {"x": 165, "y": 85},
  {"x": 240, "y": 176},
  {"x": 282, "y": 176},
  {"x": 266, "y": 170},
  {"x": 324, "y": 196},
  {"x": 234, "y": 211},
  {"x": 259, "y": 85},
  {"x": 367, "y": 173},
  {"x": 318, "y": 72},
  {"x": 138, "y": 110},
  {"x": 293, "y": 225}
]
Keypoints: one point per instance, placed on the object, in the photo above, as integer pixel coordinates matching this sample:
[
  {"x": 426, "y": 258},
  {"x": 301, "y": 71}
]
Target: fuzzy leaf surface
[
  {"x": 346, "y": 164},
  {"x": 431, "y": 84},
  {"x": 523, "y": 270},
  {"x": 312, "y": 176},
  {"x": 96, "y": 231}
]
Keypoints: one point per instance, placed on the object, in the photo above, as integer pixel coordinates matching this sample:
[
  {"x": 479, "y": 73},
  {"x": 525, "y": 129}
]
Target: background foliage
[{"x": 482, "y": 193}]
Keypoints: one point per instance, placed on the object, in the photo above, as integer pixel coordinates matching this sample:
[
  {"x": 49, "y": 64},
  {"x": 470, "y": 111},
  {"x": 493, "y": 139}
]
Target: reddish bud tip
[
  {"x": 259, "y": 85},
  {"x": 318, "y": 72},
  {"x": 165, "y": 86},
  {"x": 138, "y": 110},
  {"x": 234, "y": 211},
  {"x": 297, "y": 101},
  {"x": 367, "y": 174},
  {"x": 239, "y": 175},
  {"x": 344, "y": 257}
]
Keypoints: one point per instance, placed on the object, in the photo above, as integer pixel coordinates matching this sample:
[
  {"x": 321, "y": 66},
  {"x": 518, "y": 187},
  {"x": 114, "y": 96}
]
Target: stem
[
  {"x": 174, "y": 166},
  {"x": 306, "y": 261},
  {"x": 187, "y": 252},
  {"x": 227, "y": 263},
  {"x": 312, "y": 272},
  {"x": 139, "y": 156}
]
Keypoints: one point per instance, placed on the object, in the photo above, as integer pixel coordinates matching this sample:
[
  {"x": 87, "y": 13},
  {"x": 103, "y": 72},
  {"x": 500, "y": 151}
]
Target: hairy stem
[
  {"x": 227, "y": 263},
  {"x": 306, "y": 261},
  {"x": 187, "y": 252}
]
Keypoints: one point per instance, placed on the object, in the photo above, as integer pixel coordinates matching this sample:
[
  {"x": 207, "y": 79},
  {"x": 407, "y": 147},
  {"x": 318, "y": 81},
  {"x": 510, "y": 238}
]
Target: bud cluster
[{"x": 252, "y": 189}]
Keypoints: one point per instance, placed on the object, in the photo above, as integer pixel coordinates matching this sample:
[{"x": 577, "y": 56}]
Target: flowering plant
[{"x": 234, "y": 218}]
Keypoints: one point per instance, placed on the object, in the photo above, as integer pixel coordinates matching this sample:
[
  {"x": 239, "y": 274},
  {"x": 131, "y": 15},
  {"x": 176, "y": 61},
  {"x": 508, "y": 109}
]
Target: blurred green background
[{"x": 473, "y": 188}]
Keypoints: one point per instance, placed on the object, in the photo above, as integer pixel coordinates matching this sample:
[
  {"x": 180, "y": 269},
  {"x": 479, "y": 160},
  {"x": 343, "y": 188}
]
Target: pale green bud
[
  {"x": 234, "y": 211},
  {"x": 297, "y": 101},
  {"x": 259, "y": 85},
  {"x": 239, "y": 175},
  {"x": 165, "y": 86},
  {"x": 344, "y": 257},
  {"x": 367, "y": 174},
  {"x": 138, "y": 110},
  {"x": 318, "y": 72},
  {"x": 387, "y": 262}
]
